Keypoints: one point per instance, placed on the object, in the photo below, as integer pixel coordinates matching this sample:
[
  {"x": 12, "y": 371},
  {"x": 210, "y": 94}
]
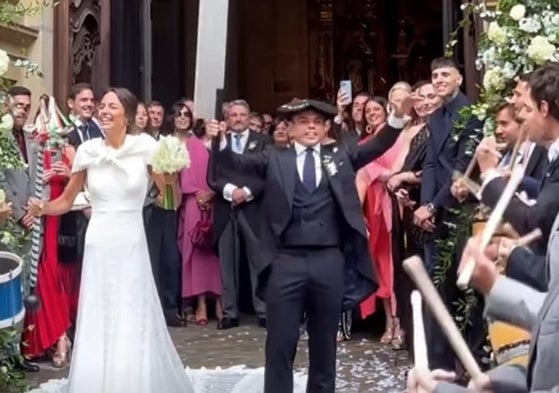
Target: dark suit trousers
[
  {"x": 440, "y": 353},
  {"x": 238, "y": 234},
  {"x": 301, "y": 281},
  {"x": 166, "y": 261}
]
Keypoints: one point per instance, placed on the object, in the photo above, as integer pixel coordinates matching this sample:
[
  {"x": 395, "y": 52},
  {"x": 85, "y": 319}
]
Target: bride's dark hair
[{"x": 128, "y": 101}]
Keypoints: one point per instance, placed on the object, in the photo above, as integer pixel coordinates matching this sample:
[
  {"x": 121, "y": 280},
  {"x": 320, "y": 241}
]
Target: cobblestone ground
[{"x": 364, "y": 365}]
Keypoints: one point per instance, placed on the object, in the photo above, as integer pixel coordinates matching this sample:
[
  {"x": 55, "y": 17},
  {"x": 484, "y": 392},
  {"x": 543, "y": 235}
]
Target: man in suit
[
  {"x": 156, "y": 113},
  {"x": 311, "y": 222},
  {"x": 447, "y": 152},
  {"x": 81, "y": 102},
  {"x": 236, "y": 213},
  {"x": 19, "y": 182},
  {"x": 540, "y": 114},
  {"x": 531, "y": 155},
  {"x": 515, "y": 303}
]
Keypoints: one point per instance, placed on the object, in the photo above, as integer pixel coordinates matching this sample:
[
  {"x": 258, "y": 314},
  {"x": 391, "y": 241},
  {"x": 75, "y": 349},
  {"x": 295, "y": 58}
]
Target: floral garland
[{"x": 12, "y": 237}]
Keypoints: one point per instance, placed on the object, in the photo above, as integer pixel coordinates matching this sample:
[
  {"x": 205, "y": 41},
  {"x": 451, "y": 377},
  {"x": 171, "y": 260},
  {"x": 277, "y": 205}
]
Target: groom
[{"x": 311, "y": 221}]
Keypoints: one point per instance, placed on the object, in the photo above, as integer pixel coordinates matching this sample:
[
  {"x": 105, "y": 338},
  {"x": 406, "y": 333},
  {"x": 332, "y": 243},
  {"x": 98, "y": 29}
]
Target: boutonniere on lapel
[
  {"x": 329, "y": 165},
  {"x": 251, "y": 146}
]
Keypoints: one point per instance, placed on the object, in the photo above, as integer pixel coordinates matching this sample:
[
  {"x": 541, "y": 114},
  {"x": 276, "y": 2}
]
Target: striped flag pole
[{"x": 32, "y": 301}]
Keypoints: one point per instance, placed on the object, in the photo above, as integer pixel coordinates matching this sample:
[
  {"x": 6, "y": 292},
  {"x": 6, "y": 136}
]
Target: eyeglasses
[{"x": 183, "y": 114}]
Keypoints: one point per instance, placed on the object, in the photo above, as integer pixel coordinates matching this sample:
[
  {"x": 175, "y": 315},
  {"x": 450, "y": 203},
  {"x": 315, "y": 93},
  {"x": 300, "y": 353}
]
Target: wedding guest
[
  {"x": 19, "y": 187},
  {"x": 237, "y": 213},
  {"x": 201, "y": 275},
  {"x": 404, "y": 184},
  {"x": 162, "y": 225},
  {"x": 256, "y": 122},
  {"x": 280, "y": 133},
  {"x": 350, "y": 125},
  {"x": 156, "y": 114},
  {"x": 73, "y": 225},
  {"x": 141, "y": 121},
  {"x": 377, "y": 206},
  {"x": 268, "y": 121},
  {"x": 81, "y": 103}
]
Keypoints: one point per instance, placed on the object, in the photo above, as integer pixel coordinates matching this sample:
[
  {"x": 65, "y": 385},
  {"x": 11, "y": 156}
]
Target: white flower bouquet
[
  {"x": 522, "y": 35},
  {"x": 170, "y": 157}
]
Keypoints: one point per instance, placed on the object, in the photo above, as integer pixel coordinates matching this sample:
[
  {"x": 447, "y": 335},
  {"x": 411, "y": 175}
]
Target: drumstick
[
  {"x": 419, "y": 344},
  {"x": 471, "y": 166},
  {"x": 414, "y": 268},
  {"x": 492, "y": 224}
]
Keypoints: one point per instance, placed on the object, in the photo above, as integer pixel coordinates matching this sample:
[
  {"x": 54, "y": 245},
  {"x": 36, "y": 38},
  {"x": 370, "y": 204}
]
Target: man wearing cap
[{"x": 311, "y": 218}]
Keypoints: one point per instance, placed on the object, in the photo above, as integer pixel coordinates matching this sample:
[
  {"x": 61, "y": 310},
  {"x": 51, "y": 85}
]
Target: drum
[
  {"x": 11, "y": 301},
  {"x": 511, "y": 345}
]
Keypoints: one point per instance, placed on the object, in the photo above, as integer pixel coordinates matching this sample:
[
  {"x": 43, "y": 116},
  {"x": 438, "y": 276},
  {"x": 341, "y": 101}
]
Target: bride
[{"x": 122, "y": 343}]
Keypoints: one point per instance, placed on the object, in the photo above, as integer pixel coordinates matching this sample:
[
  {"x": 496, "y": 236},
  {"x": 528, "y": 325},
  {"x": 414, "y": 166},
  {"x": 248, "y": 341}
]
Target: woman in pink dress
[
  {"x": 377, "y": 206},
  {"x": 201, "y": 274}
]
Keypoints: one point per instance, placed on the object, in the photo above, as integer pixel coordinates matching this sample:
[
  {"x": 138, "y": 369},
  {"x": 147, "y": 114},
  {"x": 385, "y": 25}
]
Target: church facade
[{"x": 276, "y": 49}]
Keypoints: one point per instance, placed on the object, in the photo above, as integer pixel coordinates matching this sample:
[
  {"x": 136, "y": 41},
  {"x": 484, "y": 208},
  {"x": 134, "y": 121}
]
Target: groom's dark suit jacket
[{"x": 278, "y": 168}]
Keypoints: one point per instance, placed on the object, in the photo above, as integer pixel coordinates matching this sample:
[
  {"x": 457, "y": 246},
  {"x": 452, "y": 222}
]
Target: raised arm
[
  {"x": 377, "y": 146},
  {"x": 363, "y": 154}
]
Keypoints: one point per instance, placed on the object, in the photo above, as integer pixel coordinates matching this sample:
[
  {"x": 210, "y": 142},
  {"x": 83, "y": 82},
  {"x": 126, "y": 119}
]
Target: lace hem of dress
[{"x": 236, "y": 379}]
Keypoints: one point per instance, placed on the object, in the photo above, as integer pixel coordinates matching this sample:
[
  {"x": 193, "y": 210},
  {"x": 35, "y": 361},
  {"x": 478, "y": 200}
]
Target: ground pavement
[{"x": 364, "y": 365}]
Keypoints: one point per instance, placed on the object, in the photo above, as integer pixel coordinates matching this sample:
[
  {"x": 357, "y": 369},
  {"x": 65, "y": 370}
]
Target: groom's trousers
[
  {"x": 166, "y": 262},
  {"x": 310, "y": 281}
]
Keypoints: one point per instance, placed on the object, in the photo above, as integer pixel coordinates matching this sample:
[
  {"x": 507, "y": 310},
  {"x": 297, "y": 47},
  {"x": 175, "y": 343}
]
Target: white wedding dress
[{"x": 122, "y": 343}]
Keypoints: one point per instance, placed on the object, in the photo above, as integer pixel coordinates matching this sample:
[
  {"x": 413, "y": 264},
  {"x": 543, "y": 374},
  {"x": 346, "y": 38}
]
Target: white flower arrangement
[
  {"x": 170, "y": 156},
  {"x": 522, "y": 35},
  {"x": 4, "y": 62}
]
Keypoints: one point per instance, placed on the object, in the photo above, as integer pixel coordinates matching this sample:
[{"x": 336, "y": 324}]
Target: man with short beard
[
  {"x": 237, "y": 201},
  {"x": 82, "y": 106}
]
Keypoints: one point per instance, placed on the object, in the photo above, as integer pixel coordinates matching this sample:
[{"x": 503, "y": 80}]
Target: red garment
[
  {"x": 70, "y": 276},
  {"x": 377, "y": 208},
  {"x": 45, "y": 326}
]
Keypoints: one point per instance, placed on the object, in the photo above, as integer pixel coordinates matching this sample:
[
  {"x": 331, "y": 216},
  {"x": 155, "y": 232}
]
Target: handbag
[{"x": 201, "y": 235}]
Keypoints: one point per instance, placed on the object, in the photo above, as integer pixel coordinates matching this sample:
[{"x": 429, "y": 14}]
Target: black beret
[{"x": 292, "y": 108}]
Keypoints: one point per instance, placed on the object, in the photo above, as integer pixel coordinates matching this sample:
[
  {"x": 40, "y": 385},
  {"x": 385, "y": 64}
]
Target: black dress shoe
[
  {"x": 27, "y": 366},
  {"x": 175, "y": 320},
  {"x": 227, "y": 323},
  {"x": 262, "y": 322}
]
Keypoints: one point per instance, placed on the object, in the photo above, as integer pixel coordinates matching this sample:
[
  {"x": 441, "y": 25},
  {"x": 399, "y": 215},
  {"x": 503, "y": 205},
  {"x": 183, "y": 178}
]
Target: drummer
[{"x": 518, "y": 304}]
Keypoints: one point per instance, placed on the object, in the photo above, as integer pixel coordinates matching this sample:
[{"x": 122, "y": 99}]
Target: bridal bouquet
[{"x": 170, "y": 157}]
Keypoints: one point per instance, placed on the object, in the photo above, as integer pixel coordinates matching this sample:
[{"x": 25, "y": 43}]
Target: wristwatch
[{"x": 431, "y": 208}]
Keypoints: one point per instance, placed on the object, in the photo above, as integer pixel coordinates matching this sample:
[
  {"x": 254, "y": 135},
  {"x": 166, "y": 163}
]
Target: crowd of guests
[{"x": 205, "y": 250}]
